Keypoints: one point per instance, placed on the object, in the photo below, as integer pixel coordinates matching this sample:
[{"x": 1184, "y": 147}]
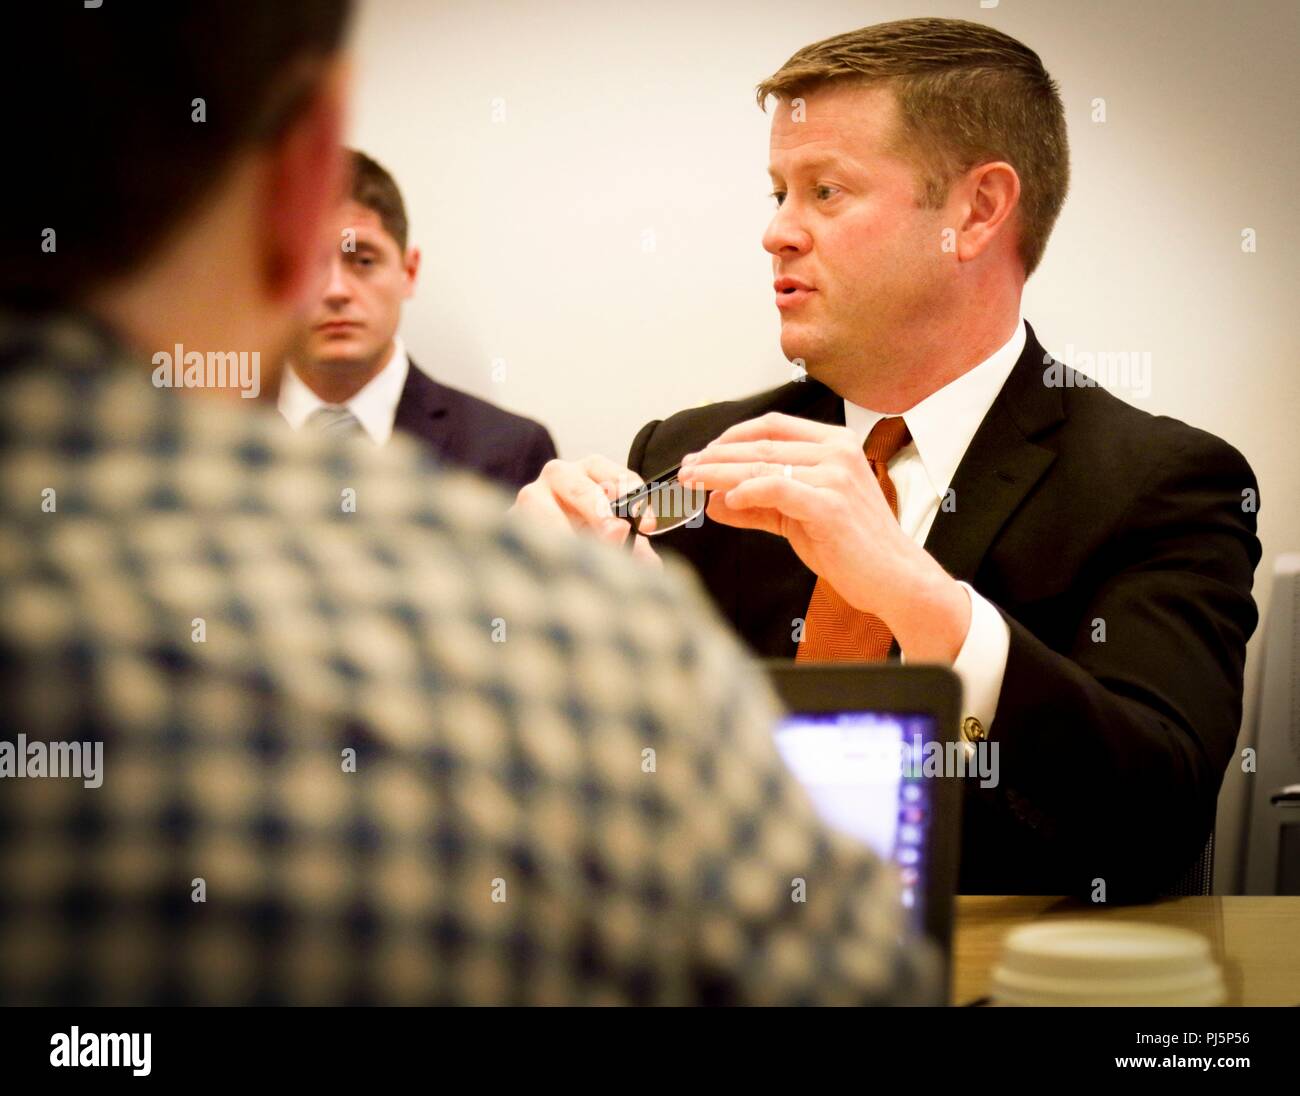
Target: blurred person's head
[
  {"x": 350, "y": 330},
  {"x": 187, "y": 159},
  {"x": 918, "y": 167}
]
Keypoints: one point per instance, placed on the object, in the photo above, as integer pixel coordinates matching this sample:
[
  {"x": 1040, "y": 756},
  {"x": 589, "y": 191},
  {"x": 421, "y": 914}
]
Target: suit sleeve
[
  {"x": 540, "y": 449},
  {"x": 636, "y": 456},
  {"x": 1113, "y": 752}
]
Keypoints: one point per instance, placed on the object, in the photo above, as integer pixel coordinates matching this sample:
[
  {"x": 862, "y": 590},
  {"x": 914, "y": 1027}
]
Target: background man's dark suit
[
  {"x": 1071, "y": 508},
  {"x": 471, "y": 433}
]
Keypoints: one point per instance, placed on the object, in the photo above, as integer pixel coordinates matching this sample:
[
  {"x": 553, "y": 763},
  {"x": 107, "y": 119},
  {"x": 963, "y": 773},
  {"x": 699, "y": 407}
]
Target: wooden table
[{"x": 1255, "y": 939}]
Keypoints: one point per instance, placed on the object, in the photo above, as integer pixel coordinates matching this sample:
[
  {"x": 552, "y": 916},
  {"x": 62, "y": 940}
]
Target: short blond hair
[{"x": 967, "y": 94}]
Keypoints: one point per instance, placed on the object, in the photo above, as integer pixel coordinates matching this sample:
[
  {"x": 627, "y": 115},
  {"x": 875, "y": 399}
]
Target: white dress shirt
[
  {"x": 375, "y": 406},
  {"x": 942, "y": 426}
]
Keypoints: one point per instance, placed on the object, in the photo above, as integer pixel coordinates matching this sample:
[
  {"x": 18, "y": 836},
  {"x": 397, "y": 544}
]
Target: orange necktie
[{"x": 833, "y": 630}]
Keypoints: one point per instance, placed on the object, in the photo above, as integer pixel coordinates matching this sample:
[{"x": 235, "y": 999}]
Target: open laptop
[{"x": 856, "y": 737}]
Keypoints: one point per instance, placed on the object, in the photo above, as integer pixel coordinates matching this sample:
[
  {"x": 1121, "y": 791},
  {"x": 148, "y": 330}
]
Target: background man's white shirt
[
  {"x": 375, "y": 406},
  {"x": 942, "y": 426}
]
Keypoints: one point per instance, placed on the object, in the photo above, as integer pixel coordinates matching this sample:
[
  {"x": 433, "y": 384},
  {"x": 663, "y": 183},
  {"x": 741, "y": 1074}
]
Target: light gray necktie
[{"x": 337, "y": 422}]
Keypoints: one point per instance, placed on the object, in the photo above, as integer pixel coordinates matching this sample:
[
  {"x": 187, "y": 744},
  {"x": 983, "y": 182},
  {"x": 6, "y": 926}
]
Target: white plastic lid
[{"x": 1106, "y": 962}]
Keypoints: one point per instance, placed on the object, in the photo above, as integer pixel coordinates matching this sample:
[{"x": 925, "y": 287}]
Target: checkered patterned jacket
[{"x": 368, "y": 739}]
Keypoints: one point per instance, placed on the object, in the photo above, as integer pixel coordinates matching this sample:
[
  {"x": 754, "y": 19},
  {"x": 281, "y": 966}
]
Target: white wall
[{"x": 588, "y": 183}]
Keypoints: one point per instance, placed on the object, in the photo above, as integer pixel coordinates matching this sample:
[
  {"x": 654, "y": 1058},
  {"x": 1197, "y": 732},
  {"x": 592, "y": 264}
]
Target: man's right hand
[{"x": 576, "y": 495}]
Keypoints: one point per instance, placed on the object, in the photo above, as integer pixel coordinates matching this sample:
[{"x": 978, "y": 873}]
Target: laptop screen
[{"x": 863, "y": 773}]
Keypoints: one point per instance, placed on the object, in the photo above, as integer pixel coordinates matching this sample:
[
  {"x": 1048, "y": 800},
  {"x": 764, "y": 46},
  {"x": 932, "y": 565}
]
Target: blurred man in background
[
  {"x": 356, "y": 735},
  {"x": 350, "y": 373}
]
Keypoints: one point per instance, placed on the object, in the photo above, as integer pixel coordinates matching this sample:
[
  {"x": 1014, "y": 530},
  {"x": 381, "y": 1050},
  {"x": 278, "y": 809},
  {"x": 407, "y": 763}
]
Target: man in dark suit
[
  {"x": 350, "y": 373},
  {"x": 937, "y": 488}
]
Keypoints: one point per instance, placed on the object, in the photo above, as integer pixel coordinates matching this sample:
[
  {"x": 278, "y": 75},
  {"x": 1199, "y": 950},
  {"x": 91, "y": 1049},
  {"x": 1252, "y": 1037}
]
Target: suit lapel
[
  {"x": 1000, "y": 467},
  {"x": 423, "y": 408}
]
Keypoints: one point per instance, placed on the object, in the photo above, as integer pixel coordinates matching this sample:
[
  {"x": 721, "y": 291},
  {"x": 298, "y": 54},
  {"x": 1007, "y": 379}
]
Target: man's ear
[
  {"x": 991, "y": 193},
  {"x": 304, "y": 187},
  {"x": 411, "y": 268}
]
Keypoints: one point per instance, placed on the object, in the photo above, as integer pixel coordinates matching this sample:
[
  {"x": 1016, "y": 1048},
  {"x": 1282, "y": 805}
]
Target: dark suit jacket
[
  {"x": 1072, "y": 507},
  {"x": 471, "y": 433}
]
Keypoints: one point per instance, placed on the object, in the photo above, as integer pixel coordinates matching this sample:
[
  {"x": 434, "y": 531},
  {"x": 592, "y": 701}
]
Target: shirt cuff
[{"x": 982, "y": 661}]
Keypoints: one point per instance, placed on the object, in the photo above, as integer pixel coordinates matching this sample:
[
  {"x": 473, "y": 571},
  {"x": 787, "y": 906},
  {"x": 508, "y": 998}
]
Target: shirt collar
[
  {"x": 943, "y": 424},
  {"x": 375, "y": 406}
]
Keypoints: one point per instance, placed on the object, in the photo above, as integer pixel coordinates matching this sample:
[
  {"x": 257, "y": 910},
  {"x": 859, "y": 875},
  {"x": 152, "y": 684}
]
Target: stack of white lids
[{"x": 1106, "y": 963}]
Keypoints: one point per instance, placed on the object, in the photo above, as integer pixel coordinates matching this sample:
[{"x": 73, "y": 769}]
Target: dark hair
[
  {"x": 119, "y": 155},
  {"x": 375, "y": 189}
]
